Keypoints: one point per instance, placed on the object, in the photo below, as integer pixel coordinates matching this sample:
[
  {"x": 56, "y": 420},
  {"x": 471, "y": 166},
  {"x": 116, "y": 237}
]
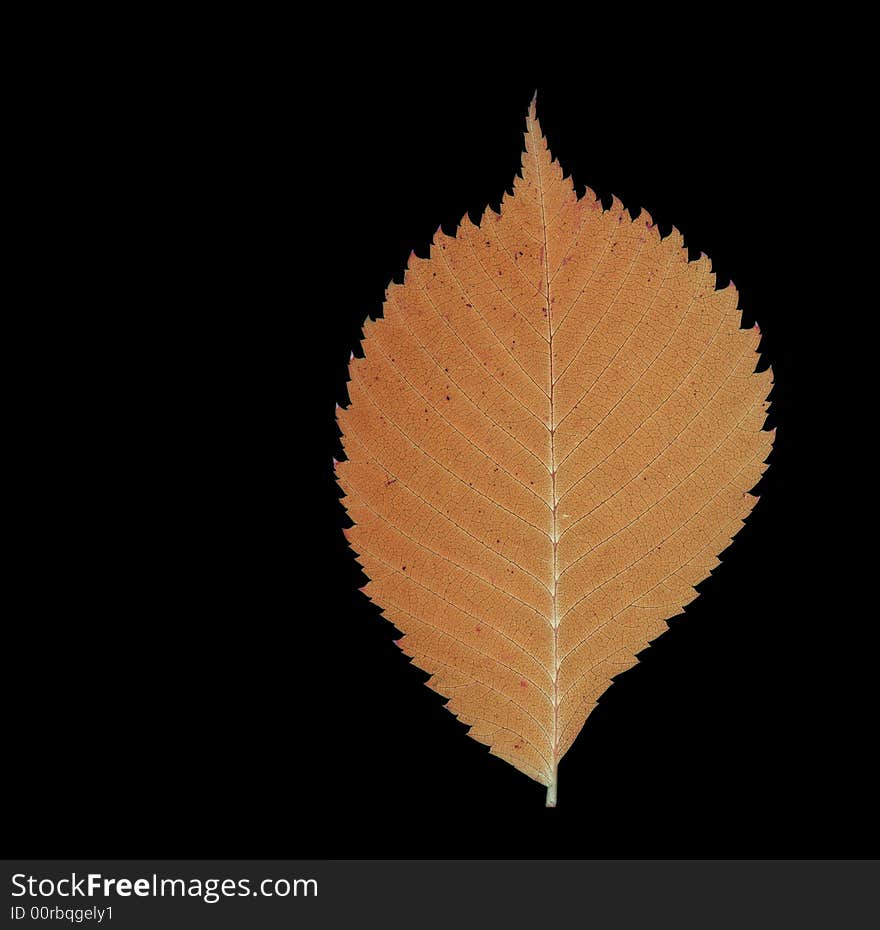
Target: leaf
[{"x": 550, "y": 438}]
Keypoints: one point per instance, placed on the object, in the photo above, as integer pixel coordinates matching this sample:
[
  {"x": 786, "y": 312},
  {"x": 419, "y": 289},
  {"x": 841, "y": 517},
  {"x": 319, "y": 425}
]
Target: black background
[{"x": 193, "y": 672}]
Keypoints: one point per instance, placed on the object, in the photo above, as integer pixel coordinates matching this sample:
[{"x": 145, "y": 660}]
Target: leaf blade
[{"x": 550, "y": 439}]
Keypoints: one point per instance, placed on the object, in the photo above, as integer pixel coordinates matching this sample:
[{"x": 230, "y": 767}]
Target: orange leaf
[{"x": 551, "y": 437}]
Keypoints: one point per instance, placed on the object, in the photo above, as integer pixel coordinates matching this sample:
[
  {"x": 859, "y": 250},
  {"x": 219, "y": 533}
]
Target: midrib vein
[{"x": 554, "y": 621}]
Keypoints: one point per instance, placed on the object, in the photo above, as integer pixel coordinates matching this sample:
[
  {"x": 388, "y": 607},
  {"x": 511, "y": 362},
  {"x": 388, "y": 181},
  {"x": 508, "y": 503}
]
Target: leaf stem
[{"x": 551, "y": 791}]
